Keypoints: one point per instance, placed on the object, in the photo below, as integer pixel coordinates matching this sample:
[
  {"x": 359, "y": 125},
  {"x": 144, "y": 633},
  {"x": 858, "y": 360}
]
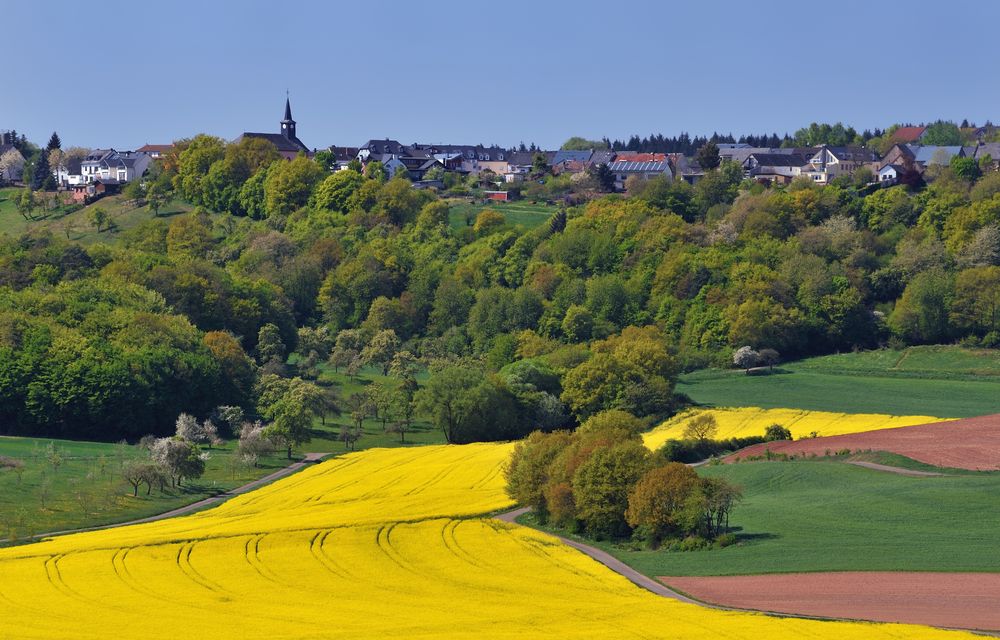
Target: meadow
[
  {"x": 81, "y": 485},
  {"x": 830, "y": 516},
  {"x": 939, "y": 381},
  {"x": 519, "y": 213},
  {"x": 743, "y": 422},
  {"x": 71, "y": 222},
  {"x": 375, "y": 544}
]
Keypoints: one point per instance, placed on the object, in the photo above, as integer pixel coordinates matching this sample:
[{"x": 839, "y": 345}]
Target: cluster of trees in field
[
  {"x": 600, "y": 479},
  {"x": 699, "y": 442},
  {"x": 597, "y": 309}
]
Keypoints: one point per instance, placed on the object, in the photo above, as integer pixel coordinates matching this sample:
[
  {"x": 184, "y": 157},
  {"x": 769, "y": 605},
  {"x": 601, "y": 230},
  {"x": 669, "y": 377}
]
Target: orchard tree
[
  {"x": 446, "y": 397},
  {"x": 178, "y": 458},
  {"x": 380, "y": 350},
  {"x": 746, "y": 358},
  {"x": 26, "y": 203},
  {"x": 290, "y": 405},
  {"x": 270, "y": 345},
  {"x": 98, "y": 217}
]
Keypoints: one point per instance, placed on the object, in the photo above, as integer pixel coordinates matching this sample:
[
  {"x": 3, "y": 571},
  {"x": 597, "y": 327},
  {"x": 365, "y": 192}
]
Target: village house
[
  {"x": 889, "y": 174},
  {"x": 988, "y": 154},
  {"x": 108, "y": 165},
  {"x": 927, "y": 155},
  {"x": 908, "y": 135},
  {"x": 643, "y": 165},
  {"x": 829, "y": 162},
  {"x": 155, "y": 150},
  {"x": 286, "y": 141},
  {"x": 780, "y": 168}
]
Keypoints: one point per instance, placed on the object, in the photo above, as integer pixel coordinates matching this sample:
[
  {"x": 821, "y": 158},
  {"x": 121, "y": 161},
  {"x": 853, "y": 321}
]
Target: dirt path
[
  {"x": 900, "y": 470},
  {"x": 947, "y": 600},
  {"x": 310, "y": 458},
  {"x": 609, "y": 561}
]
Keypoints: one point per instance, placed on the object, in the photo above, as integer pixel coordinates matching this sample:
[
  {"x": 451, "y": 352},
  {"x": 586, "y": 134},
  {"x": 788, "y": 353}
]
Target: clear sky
[{"x": 123, "y": 74}]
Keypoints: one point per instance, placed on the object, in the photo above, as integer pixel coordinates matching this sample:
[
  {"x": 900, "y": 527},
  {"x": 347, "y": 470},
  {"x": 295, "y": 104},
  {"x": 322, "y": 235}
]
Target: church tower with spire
[
  {"x": 287, "y": 124},
  {"x": 286, "y": 141}
]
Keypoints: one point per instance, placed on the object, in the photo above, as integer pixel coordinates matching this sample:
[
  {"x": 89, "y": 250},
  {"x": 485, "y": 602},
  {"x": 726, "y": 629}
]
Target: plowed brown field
[
  {"x": 972, "y": 443},
  {"x": 950, "y": 600}
]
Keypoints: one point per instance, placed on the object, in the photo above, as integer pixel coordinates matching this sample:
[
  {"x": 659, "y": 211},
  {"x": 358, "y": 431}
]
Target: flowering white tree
[{"x": 746, "y": 358}]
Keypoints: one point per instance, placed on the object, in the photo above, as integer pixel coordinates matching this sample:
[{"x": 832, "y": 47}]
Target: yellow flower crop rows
[
  {"x": 377, "y": 544},
  {"x": 752, "y": 421}
]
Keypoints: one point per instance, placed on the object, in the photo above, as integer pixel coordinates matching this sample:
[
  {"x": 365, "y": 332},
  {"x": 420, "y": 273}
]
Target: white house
[
  {"x": 889, "y": 174},
  {"x": 108, "y": 164}
]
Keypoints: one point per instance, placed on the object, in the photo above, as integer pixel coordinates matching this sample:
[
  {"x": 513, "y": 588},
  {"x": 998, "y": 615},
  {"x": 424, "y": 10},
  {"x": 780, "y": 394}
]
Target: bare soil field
[
  {"x": 948, "y": 600},
  {"x": 972, "y": 443}
]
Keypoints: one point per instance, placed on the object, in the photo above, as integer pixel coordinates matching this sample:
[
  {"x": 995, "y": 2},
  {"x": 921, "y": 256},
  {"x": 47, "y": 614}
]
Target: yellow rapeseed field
[
  {"x": 752, "y": 421},
  {"x": 385, "y": 543}
]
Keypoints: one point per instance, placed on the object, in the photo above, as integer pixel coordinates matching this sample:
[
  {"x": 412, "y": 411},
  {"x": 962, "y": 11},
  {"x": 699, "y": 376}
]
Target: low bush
[{"x": 694, "y": 450}]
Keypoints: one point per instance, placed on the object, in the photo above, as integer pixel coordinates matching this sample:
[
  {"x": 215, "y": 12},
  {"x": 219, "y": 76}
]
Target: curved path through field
[
  {"x": 609, "y": 561},
  {"x": 913, "y": 473},
  {"x": 968, "y": 601},
  {"x": 309, "y": 458}
]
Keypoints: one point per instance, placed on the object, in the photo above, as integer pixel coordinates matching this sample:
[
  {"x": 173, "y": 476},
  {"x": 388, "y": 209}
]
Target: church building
[{"x": 287, "y": 142}]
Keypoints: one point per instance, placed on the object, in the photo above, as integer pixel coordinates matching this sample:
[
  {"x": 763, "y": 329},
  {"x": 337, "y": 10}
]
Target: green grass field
[
  {"x": 831, "y": 516},
  {"x": 518, "y": 213},
  {"x": 86, "y": 488},
  {"x": 74, "y": 225},
  {"x": 949, "y": 382}
]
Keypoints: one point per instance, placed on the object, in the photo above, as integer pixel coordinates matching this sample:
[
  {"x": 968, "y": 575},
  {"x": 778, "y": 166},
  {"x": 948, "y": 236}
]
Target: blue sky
[{"x": 129, "y": 73}]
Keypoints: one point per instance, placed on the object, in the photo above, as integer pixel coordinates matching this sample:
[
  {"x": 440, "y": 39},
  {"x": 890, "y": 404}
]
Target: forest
[{"x": 508, "y": 329}]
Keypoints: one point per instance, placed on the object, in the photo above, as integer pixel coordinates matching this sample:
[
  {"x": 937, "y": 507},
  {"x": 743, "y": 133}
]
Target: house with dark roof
[
  {"x": 286, "y": 140},
  {"x": 155, "y": 150},
  {"x": 643, "y": 165},
  {"x": 829, "y": 162},
  {"x": 989, "y": 150},
  {"x": 774, "y": 167},
  {"x": 110, "y": 166},
  {"x": 927, "y": 155}
]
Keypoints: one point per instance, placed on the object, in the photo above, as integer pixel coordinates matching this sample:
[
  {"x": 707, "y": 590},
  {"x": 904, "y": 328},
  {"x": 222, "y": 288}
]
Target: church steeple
[{"x": 288, "y": 125}]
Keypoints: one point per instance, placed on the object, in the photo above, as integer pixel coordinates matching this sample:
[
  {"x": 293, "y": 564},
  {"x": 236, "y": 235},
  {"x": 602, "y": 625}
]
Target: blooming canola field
[
  {"x": 376, "y": 544},
  {"x": 752, "y": 421}
]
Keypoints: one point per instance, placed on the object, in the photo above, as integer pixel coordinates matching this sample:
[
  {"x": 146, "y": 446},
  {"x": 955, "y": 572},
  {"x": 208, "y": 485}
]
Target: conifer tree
[
  {"x": 54, "y": 142},
  {"x": 41, "y": 178}
]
